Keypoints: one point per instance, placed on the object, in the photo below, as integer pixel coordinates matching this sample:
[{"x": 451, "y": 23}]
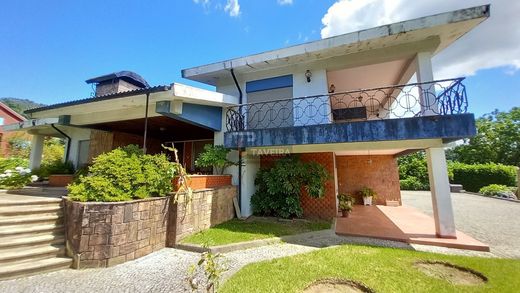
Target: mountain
[{"x": 20, "y": 105}]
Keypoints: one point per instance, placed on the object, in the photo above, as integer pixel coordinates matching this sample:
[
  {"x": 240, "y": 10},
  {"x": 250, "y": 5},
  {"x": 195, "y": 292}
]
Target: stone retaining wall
[{"x": 106, "y": 234}]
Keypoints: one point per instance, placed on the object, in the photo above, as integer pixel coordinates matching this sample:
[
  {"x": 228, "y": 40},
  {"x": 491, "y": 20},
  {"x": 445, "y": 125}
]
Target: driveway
[{"x": 493, "y": 221}]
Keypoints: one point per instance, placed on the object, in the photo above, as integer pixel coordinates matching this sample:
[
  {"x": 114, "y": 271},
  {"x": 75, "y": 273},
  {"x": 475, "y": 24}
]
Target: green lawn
[
  {"x": 382, "y": 269},
  {"x": 236, "y": 230}
]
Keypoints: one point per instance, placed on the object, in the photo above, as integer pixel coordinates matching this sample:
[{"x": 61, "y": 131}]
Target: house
[
  {"x": 7, "y": 116},
  {"x": 353, "y": 102}
]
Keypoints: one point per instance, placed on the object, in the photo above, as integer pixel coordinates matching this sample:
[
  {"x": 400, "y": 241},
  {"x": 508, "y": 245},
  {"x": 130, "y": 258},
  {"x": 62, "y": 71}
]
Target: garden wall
[{"x": 106, "y": 234}]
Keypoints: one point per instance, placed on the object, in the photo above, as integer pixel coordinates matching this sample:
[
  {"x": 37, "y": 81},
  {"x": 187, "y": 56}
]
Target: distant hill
[{"x": 20, "y": 105}]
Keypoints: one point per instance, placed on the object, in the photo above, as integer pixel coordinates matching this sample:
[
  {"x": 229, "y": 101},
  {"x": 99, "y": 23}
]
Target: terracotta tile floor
[{"x": 402, "y": 223}]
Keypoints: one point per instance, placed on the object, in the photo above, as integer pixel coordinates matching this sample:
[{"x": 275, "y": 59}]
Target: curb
[
  {"x": 494, "y": 197},
  {"x": 229, "y": 247}
]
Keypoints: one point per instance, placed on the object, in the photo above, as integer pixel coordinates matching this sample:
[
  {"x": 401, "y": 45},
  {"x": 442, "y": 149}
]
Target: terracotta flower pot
[{"x": 345, "y": 213}]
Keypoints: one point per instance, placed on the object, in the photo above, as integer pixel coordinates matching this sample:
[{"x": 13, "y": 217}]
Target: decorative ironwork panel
[{"x": 442, "y": 97}]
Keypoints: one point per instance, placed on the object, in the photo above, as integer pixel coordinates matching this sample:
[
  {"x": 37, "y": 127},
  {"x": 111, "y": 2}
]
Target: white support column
[
  {"x": 440, "y": 189},
  {"x": 425, "y": 74},
  {"x": 35, "y": 158},
  {"x": 251, "y": 164}
]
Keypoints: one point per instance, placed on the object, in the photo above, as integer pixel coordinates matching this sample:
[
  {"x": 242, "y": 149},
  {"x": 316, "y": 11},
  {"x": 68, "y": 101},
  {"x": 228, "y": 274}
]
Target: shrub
[
  {"x": 12, "y": 162},
  {"x": 124, "y": 174},
  {"x": 16, "y": 178},
  {"x": 54, "y": 167},
  {"x": 214, "y": 156},
  {"x": 495, "y": 189},
  {"x": 279, "y": 187},
  {"x": 474, "y": 177},
  {"x": 412, "y": 183}
]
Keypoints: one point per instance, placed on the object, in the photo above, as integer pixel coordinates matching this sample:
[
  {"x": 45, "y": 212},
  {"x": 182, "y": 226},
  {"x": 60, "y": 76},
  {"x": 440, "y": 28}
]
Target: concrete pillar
[
  {"x": 35, "y": 158},
  {"x": 251, "y": 164},
  {"x": 427, "y": 95},
  {"x": 440, "y": 189}
]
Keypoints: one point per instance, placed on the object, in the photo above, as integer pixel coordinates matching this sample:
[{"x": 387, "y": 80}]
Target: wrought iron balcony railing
[{"x": 442, "y": 97}]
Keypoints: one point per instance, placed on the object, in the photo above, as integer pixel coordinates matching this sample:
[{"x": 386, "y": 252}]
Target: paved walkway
[
  {"x": 493, "y": 221},
  {"x": 403, "y": 223}
]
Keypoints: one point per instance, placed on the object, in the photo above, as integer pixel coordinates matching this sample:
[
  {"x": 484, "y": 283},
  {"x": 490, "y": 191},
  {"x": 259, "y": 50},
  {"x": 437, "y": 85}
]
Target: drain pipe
[
  {"x": 240, "y": 95},
  {"x": 68, "y": 141}
]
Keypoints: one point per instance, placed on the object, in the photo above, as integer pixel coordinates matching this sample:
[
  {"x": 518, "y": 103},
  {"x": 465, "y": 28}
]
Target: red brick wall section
[
  {"x": 379, "y": 172},
  {"x": 325, "y": 207},
  {"x": 9, "y": 118},
  {"x": 205, "y": 181}
]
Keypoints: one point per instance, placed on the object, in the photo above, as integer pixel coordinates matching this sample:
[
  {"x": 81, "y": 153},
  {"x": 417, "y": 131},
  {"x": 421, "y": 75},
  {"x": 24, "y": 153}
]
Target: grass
[
  {"x": 236, "y": 230},
  {"x": 382, "y": 269}
]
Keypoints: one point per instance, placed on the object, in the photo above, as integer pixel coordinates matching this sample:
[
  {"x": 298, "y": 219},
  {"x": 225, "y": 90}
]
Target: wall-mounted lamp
[
  {"x": 332, "y": 89},
  {"x": 308, "y": 75}
]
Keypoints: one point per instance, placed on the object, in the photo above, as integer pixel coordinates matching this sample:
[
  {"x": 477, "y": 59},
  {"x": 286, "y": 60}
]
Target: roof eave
[{"x": 202, "y": 73}]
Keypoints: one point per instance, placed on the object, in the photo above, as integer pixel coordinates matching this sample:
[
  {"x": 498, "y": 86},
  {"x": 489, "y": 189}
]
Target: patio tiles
[{"x": 402, "y": 223}]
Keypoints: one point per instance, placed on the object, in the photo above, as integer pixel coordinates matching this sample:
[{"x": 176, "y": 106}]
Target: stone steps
[
  {"x": 30, "y": 209},
  {"x": 33, "y": 266},
  {"x": 38, "y": 219},
  {"x": 32, "y": 236},
  {"x": 30, "y": 229},
  {"x": 37, "y": 251}
]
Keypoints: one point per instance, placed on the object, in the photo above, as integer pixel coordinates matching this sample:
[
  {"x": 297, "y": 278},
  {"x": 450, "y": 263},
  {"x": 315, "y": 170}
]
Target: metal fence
[{"x": 441, "y": 97}]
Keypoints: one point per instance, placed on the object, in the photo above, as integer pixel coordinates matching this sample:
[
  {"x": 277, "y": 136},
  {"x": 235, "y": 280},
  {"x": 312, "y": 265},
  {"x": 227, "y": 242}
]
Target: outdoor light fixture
[
  {"x": 308, "y": 75},
  {"x": 332, "y": 89}
]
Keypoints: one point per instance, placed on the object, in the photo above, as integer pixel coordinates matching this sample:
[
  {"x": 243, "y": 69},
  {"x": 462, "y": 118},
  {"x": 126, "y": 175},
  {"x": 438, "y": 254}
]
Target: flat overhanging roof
[
  {"x": 448, "y": 27},
  {"x": 135, "y": 98}
]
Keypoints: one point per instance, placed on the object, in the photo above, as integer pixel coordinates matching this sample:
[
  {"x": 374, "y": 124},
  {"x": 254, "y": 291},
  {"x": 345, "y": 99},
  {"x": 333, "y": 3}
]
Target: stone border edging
[
  {"x": 225, "y": 248},
  {"x": 495, "y": 197}
]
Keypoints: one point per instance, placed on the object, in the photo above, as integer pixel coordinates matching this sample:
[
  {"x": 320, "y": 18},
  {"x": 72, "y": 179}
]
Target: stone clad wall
[
  {"x": 106, "y": 234},
  {"x": 207, "y": 208}
]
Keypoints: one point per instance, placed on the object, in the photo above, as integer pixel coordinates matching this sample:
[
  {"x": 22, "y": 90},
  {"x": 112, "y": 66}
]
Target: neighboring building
[
  {"x": 353, "y": 102},
  {"x": 7, "y": 116}
]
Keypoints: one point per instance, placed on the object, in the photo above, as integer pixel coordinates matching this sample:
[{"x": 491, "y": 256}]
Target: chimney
[{"x": 117, "y": 82}]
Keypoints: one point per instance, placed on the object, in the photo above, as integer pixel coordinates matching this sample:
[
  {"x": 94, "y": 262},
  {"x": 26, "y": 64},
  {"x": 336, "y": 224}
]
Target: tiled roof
[{"x": 153, "y": 89}]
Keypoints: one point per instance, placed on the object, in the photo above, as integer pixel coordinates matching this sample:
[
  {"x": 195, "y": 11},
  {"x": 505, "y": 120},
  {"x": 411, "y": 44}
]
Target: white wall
[{"x": 76, "y": 134}]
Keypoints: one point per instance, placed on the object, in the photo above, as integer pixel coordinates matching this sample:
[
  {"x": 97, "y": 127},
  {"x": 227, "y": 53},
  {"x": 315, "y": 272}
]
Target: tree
[
  {"x": 214, "y": 156},
  {"x": 497, "y": 140}
]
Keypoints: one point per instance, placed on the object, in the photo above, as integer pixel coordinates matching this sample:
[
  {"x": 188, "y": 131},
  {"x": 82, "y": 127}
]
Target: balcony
[{"x": 427, "y": 110}]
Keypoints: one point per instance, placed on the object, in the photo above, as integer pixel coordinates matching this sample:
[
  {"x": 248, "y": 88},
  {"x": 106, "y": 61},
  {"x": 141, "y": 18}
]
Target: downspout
[
  {"x": 146, "y": 122},
  {"x": 239, "y": 149},
  {"x": 68, "y": 141}
]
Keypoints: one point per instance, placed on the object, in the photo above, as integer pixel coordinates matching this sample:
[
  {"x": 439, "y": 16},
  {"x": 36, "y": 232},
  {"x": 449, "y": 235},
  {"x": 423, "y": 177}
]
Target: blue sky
[{"x": 49, "y": 48}]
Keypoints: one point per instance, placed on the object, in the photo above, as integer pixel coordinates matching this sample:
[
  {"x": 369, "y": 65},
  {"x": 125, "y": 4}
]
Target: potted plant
[
  {"x": 368, "y": 195},
  {"x": 345, "y": 203}
]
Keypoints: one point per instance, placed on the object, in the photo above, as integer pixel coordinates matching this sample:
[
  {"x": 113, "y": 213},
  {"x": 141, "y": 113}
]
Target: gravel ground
[
  {"x": 167, "y": 269},
  {"x": 493, "y": 221}
]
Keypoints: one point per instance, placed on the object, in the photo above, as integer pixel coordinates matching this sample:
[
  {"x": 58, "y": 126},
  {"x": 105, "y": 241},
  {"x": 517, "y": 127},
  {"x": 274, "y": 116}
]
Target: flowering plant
[{"x": 17, "y": 178}]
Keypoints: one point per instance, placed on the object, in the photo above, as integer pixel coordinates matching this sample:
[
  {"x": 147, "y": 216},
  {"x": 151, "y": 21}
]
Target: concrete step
[
  {"x": 28, "y": 201},
  {"x": 30, "y": 229},
  {"x": 25, "y": 241},
  {"x": 30, "y": 210},
  {"x": 38, "y": 266},
  {"x": 56, "y": 217},
  {"x": 15, "y": 254}
]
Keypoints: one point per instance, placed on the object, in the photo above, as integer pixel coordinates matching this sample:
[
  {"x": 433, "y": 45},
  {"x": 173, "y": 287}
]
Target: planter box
[
  {"x": 205, "y": 181},
  {"x": 60, "y": 180},
  {"x": 103, "y": 234}
]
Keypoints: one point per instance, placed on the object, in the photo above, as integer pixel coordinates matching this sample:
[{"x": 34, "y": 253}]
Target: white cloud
[
  {"x": 494, "y": 43},
  {"x": 285, "y": 2},
  {"x": 232, "y": 7}
]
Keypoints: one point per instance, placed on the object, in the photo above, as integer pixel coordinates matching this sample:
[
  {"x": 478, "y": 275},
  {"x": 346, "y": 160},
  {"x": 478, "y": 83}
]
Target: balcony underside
[{"x": 446, "y": 127}]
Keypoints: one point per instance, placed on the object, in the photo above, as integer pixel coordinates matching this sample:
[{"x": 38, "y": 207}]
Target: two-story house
[{"x": 353, "y": 102}]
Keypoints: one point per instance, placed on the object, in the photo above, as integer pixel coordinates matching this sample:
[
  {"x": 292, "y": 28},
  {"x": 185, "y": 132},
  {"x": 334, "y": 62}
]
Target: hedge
[{"x": 474, "y": 177}]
